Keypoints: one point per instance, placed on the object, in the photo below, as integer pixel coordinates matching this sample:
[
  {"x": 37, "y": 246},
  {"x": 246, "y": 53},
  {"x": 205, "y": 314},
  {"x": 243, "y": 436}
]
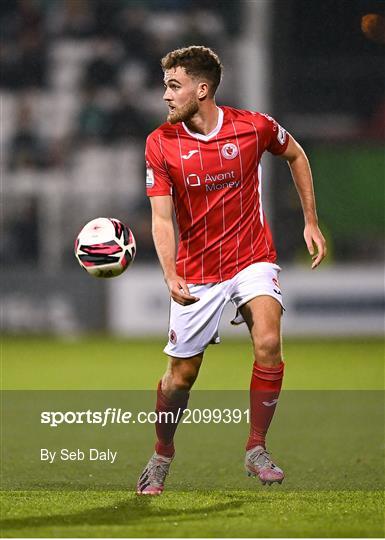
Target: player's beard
[{"x": 184, "y": 113}]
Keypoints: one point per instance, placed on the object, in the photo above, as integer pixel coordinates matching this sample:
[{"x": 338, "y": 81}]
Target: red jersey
[{"x": 215, "y": 182}]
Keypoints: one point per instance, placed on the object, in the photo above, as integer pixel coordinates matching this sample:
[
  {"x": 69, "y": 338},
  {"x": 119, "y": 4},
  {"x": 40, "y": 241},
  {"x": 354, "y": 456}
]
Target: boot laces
[
  {"x": 157, "y": 471},
  {"x": 261, "y": 458}
]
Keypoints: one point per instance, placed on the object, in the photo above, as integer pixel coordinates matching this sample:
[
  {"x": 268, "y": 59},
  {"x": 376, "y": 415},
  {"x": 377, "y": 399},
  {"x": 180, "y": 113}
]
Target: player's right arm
[
  {"x": 163, "y": 233},
  {"x": 159, "y": 189}
]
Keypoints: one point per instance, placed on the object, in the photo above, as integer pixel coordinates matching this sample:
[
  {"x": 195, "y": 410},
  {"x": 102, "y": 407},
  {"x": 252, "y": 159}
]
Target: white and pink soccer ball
[{"x": 105, "y": 247}]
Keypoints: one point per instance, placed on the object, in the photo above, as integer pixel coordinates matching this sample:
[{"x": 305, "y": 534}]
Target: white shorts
[{"x": 192, "y": 328}]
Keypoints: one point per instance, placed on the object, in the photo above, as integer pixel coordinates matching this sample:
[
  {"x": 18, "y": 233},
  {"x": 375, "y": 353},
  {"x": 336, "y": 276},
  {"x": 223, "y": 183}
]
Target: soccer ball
[{"x": 105, "y": 247}]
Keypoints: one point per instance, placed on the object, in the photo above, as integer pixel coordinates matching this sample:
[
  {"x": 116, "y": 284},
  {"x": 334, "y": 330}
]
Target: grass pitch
[
  {"x": 218, "y": 514},
  {"x": 339, "y": 494}
]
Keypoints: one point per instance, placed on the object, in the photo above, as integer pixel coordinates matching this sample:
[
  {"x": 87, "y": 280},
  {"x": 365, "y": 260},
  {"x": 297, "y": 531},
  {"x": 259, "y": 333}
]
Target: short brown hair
[{"x": 198, "y": 61}]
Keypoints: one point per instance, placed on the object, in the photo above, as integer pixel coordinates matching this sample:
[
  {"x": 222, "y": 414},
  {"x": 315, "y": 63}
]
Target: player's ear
[{"x": 203, "y": 90}]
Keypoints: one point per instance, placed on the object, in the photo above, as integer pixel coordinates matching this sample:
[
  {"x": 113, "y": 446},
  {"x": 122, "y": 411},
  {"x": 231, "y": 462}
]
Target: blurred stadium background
[{"x": 81, "y": 87}]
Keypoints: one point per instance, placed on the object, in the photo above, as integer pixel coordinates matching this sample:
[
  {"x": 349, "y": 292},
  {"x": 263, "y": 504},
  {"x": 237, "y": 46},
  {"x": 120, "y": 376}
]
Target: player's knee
[
  {"x": 179, "y": 381},
  {"x": 182, "y": 385},
  {"x": 267, "y": 349},
  {"x": 176, "y": 386}
]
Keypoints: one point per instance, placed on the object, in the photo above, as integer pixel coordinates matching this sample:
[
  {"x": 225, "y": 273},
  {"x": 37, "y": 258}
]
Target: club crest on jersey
[{"x": 229, "y": 151}]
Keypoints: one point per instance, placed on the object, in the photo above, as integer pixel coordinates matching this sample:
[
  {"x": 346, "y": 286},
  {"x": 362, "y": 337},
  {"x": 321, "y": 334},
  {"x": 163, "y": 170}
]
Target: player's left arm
[{"x": 301, "y": 173}]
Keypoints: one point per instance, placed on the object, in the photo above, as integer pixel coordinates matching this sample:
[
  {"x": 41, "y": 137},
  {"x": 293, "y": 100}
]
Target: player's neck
[{"x": 205, "y": 120}]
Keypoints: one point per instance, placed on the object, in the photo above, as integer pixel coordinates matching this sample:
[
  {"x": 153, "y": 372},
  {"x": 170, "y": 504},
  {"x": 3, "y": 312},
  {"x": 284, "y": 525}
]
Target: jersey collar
[{"x": 212, "y": 133}]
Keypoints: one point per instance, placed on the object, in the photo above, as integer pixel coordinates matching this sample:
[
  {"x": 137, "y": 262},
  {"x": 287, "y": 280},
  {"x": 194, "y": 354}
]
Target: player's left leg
[{"x": 263, "y": 317}]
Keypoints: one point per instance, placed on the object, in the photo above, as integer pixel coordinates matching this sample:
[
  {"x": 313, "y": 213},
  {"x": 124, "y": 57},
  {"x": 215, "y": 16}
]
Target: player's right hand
[{"x": 179, "y": 291}]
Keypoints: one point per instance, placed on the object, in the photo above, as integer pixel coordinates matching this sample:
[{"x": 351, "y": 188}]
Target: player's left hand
[{"x": 313, "y": 235}]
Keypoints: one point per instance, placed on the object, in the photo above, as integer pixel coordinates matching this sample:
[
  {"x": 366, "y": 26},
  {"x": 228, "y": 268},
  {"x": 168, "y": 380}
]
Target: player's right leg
[
  {"x": 172, "y": 398},
  {"x": 192, "y": 329}
]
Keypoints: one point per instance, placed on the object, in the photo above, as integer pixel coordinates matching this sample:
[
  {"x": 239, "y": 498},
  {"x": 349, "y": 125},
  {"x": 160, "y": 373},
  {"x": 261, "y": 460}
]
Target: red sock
[
  {"x": 265, "y": 387},
  {"x": 166, "y": 425}
]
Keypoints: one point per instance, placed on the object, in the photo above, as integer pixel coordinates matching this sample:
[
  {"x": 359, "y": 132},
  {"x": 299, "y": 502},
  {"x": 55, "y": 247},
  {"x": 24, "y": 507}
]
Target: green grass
[
  {"x": 98, "y": 363},
  {"x": 220, "y": 514},
  {"x": 330, "y": 442}
]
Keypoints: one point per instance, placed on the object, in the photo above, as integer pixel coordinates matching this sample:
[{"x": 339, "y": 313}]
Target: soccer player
[{"x": 204, "y": 164}]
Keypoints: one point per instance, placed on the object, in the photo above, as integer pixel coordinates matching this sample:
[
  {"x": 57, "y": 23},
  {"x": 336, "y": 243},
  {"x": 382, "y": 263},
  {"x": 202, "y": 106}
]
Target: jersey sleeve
[
  {"x": 274, "y": 136},
  {"x": 158, "y": 181}
]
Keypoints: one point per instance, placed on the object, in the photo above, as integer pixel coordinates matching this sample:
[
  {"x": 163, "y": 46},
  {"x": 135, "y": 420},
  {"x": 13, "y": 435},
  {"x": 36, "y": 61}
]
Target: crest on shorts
[
  {"x": 172, "y": 337},
  {"x": 229, "y": 151}
]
